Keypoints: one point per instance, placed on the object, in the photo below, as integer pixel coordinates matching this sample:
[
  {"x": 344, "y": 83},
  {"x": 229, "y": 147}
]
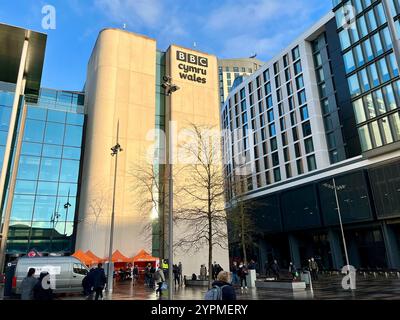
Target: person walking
[
  {"x": 159, "y": 278},
  {"x": 27, "y": 285},
  {"x": 99, "y": 281},
  {"x": 135, "y": 274},
  {"x": 87, "y": 283},
  {"x": 176, "y": 275},
  {"x": 275, "y": 269},
  {"x": 313, "y": 266},
  {"x": 227, "y": 290},
  {"x": 42, "y": 289},
  {"x": 147, "y": 275},
  {"x": 293, "y": 271},
  {"x": 235, "y": 278},
  {"x": 242, "y": 272}
]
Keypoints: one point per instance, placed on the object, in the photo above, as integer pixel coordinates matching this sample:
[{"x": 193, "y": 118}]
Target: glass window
[
  {"x": 311, "y": 163},
  {"x": 379, "y": 102},
  {"x": 54, "y": 133},
  {"x": 304, "y": 113},
  {"x": 36, "y": 113},
  {"x": 274, "y": 144},
  {"x": 295, "y": 53},
  {"x": 306, "y": 128},
  {"x": 25, "y": 187},
  {"x": 31, "y": 149},
  {"x": 368, "y": 50},
  {"x": 373, "y": 75},
  {"x": 395, "y": 122},
  {"x": 47, "y": 188},
  {"x": 299, "y": 82},
  {"x": 49, "y": 169},
  {"x": 359, "y": 55},
  {"x": 376, "y": 39},
  {"x": 56, "y": 116},
  {"x": 387, "y": 38},
  {"x": 362, "y": 26},
  {"x": 393, "y": 65},
  {"x": 384, "y": 71},
  {"x": 52, "y": 151},
  {"x": 28, "y": 167},
  {"x": 65, "y": 188},
  {"x": 277, "y": 174},
  {"x": 371, "y": 19},
  {"x": 5, "y": 115},
  {"x": 344, "y": 39},
  {"x": 34, "y": 131},
  {"x": 302, "y": 97},
  {"x": 390, "y": 98},
  {"x": 309, "y": 146},
  {"x": 45, "y": 206},
  {"x": 380, "y": 14},
  {"x": 297, "y": 67},
  {"x": 272, "y": 130},
  {"x": 376, "y": 134},
  {"x": 73, "y": 136},
  {"x": 349, "y": 62},
  {"x": 385, "y": 127},
  {"x": 22, "y": 207},
  {"x": 358, "y": 108},
  {"x": 370, "y": 106},
  {"x": 364, "y": 80},
  {"x": 299, "y": 164},
  {"x": 354, "y": 86},
  {"x": 69, "y": 171}
]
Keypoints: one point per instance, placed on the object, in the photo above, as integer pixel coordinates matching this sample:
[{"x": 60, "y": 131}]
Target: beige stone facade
[{"x": 121, "y": 86}]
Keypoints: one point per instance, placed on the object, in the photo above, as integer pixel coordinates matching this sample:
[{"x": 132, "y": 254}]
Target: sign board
[{"x": 192, "y": 67}]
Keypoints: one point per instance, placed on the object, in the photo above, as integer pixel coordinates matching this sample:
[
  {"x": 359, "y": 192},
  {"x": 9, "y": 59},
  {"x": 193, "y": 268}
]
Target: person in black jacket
[
  {"x": 42, "y": 290},
  {"x": 228, "y": 292},
  {"x": 99, "y": 281}
]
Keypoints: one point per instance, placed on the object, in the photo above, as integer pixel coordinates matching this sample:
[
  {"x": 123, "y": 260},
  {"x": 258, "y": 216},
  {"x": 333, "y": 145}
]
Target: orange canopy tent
[
  {"x": 95, "y": 259},
  {"x": 82, "y": 257},
  {"x": 144, "y": 256},
  {"x": 118, "y": 257}
]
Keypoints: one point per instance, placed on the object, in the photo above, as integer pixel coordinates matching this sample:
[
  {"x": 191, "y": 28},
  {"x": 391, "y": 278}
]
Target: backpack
[{"x": 215, "y": 293}]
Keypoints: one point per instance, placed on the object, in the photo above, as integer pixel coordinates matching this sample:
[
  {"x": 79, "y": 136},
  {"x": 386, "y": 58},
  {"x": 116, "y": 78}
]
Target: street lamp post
[
  {"x": 66, "y": 207},
  {"x": 170, "y": 88},
  {"x": 115, "y": 150}
]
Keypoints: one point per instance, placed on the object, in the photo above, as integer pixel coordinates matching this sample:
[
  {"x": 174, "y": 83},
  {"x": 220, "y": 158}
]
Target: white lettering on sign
[{"x": 52, "y": 270}]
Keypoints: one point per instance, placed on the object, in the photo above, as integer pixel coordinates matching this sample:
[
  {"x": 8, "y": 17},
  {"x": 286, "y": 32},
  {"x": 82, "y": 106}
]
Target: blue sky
[{"x": 226, "y": 28}]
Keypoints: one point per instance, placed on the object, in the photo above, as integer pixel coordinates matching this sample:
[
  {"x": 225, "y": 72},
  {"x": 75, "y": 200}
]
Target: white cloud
[{"x": 146, "y": 12}]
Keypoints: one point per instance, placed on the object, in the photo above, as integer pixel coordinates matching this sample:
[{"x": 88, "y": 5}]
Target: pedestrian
[
  {"x": 180, "y": 269},
  {"x": 135, "y": 274},
  {"x": 203, "y": 272},
  {"x": 293, "y": 271},
  {"x": 235, "y": 278},
  {"x": 275, "y": 270},
  {"x": 252, "y": 265},
  {"x": 147, "y": 275},
  {"x": 224, "y": 289},
  {"x": 87, "y": 283},
  {"x": 214, "y": 270},
  {"x": 159, "y": 278},
  {"x": 242, "y": 272},
  {"x": 176, "y": 275},
  {"x": 152, "y": 272},
  {"x": 99, "y": 281},
  {"x": 313, "y": 266},
  {"x": 27, "y": 285},
  {"x": 42, "y": 289}
]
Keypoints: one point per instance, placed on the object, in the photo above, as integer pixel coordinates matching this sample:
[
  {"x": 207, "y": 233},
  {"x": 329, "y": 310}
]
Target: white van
[{"x": 66, "y": 273}]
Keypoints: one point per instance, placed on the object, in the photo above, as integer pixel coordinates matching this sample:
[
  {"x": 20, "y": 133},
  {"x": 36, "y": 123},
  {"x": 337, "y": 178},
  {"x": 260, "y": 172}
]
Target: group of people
[
  {"x": 240, "y": 272},
  {"x": 36, "y": 289}
]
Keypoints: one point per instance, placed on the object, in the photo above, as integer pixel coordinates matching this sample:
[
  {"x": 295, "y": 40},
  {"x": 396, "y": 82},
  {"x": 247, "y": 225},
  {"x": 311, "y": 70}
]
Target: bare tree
[
  {"x": 240, "y": 218},
  {"x": 199, "y": 208}
]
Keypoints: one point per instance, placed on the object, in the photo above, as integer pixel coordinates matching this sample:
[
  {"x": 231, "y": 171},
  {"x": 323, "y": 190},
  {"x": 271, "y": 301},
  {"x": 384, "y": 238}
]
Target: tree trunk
[
  {"x": 210, "y": 245},
  {"x": 243, "y": 238}
]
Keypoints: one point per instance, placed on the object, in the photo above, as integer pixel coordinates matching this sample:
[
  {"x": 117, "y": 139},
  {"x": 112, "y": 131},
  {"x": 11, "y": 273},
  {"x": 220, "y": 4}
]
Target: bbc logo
[{"x": 191, "y": 58}]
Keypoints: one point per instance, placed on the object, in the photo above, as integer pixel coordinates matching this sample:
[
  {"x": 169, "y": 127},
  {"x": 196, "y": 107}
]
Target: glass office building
[{"x": 45, "y": 197}]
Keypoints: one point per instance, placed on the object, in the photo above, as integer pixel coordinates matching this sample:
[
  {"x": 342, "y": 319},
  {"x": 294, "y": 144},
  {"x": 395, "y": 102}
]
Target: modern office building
[
  {"x": 231, "y": 69},
  {"x": 57, "y": 177},
  {"x": 322, "y": 113}
]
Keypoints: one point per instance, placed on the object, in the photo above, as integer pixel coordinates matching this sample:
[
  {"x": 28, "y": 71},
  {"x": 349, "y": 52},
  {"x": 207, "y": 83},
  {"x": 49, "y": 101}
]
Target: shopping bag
[{"x": 164, "y": 286}]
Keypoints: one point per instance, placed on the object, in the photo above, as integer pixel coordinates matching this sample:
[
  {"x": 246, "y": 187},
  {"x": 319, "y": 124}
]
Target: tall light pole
[
  {"x": 170, "y": 88},
  {"x": 66, "y": 207},
  {"x": 335, "y": 188},
  {"x": 115, "y": 150}
]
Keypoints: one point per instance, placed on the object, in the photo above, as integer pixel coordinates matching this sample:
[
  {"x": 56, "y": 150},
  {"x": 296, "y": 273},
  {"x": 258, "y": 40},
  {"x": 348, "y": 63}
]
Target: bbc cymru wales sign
[{"x": 192, "y": 67}]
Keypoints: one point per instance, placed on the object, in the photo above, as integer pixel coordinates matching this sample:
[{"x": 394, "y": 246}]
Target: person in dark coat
[
  {"x": 99, "y": 281},
  {"x": 87, "y": 283},
  {"x": 228, "y": 292},
  {"x": 28, "y": 284},
  {"x": 275, "y": 269},
  {"x": 242, "y": 273},
  {"x": 42, "y": 290}
]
